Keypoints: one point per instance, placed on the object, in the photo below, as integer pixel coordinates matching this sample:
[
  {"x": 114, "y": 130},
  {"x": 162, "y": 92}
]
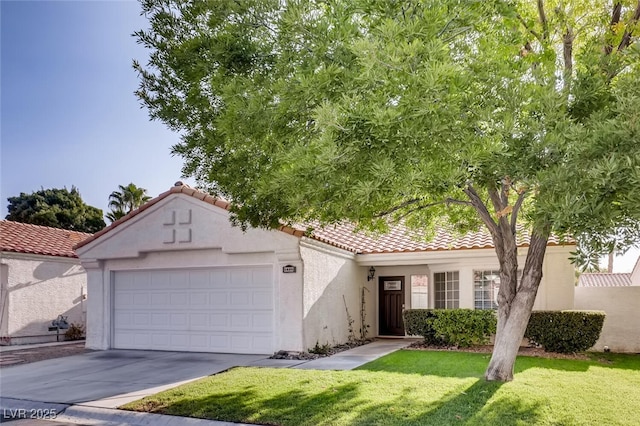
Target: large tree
[
  {"x": 58, "y": 208},
  {"x": 466, "y": 113},
  {"x": 125, "y": 200}
]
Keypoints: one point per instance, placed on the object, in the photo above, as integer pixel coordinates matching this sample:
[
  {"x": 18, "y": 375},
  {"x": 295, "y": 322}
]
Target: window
[
  {"x": 486, "y": 285},
  {"x": 419, "y": 291},
  {"x": 447, "y": 289}
]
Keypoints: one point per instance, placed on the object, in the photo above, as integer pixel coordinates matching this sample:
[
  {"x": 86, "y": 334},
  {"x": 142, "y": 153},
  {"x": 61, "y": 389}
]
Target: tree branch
[
  {"x": 567, "y": 49},
  {"x": 532, "y": 271},
  {"x": 482, "y": 210},
  {"x": 626, "y": 38},
  {"x": 496, "y": 200},
  {"x": 504, "y": 191},
  {"x": 446, "y": 201},
  {"x": 615, "y": 18},
  {"x": 398, "y": 207},
  {"x": 531, "y": 30},
  {"x": 444, "y": 29},
  {"x": 516, "y": 209},
  {"x": 543, "y": 20},
  {"x": 426, "y": 206}
]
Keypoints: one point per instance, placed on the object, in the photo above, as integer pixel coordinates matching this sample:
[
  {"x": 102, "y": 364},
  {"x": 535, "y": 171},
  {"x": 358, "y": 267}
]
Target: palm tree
[{"x": 125, "y": 200}]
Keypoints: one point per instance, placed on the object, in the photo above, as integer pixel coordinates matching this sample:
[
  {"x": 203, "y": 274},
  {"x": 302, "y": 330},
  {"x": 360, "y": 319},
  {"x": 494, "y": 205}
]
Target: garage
[
  {"x": 175, "y": 275},
  {"x": 216, "y": 309}
]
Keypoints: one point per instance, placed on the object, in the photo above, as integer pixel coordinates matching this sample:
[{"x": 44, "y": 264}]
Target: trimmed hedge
[
  {"x": 565, "y": 331},
  {"x": 455, "y": 327},
  {"x": 416, "y": 323}
]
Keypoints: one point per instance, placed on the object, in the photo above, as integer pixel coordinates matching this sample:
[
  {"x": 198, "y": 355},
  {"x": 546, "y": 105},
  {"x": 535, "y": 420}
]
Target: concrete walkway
[
  {"x": 101, "y": 411},
  {"x": 353, "y": 358}
]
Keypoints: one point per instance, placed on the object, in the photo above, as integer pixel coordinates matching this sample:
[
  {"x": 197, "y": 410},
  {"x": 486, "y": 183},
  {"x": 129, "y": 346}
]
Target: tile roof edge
[
  {"x": 180, "y": 188},
  {"x": 33, "y": 225},
  {"x": 124, "y": 219},
  {"x": 36, "y": 253}
]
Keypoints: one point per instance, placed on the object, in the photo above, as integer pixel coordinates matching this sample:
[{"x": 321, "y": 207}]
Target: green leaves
[
  {"x": 337, "y": 110},
  {"x": 57, "y": 208},
  {"x": 125, "y": 200}
]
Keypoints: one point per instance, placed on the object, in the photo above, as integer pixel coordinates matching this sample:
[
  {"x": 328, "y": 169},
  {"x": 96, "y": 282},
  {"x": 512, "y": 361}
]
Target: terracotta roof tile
[
  {"x": 401, "y": 239},
  {"x": 34, "y": 239},
  {"x": 398, "y": 239},
  {"x": 603, "y": 279}
]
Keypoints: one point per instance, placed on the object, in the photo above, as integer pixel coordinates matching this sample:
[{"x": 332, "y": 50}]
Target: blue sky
[
  {"x": 69, "y": 115},
  {"x": 68, "y": 112}
]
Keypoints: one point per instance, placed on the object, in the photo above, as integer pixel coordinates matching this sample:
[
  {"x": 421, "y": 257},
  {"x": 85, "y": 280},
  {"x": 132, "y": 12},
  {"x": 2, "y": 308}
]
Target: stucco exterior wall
[
  {"x": 556, "y": 289},
  {"x": 558, "y": 280},
  {"x": 621, "y": 329},
  {"x": 36, "y": 289},
  {"x": 333, "y": 285},
  {"x": 181, "y": 232}
]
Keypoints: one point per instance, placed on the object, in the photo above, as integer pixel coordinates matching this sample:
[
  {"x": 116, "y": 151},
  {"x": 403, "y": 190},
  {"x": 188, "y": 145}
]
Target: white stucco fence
[
  {"x": 35, "y": 290},
  {"x": 621, "y": 330}
]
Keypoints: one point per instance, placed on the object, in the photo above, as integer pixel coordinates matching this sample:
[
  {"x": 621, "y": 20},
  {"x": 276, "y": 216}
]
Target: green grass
[{"x": 417, "y": 388}]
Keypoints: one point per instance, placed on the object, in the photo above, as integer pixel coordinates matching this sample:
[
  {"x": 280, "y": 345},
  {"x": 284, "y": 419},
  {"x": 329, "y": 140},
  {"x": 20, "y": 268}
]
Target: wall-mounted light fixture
[{"x": 372, "y": 273}]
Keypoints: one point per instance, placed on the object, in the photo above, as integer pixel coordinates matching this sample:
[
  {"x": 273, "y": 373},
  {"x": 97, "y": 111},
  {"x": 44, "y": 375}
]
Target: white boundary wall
[{"x": 621, "y": 330}]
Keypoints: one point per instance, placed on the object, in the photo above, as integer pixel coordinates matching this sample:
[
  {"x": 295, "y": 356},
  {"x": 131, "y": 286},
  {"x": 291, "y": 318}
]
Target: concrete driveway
[{"x": 111, "y": 378}]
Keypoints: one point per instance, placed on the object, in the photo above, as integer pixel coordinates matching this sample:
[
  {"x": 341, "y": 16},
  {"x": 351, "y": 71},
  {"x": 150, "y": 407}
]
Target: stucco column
[
  {"x": 97, "y": 335},
  {"x": 288, "y": 306}
]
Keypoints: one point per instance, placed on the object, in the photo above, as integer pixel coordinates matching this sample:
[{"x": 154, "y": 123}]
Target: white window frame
[
  {"x": 495, "y": 287},
  {"x": 419, "y": 294},
  {"x": 451, "y": 290}
]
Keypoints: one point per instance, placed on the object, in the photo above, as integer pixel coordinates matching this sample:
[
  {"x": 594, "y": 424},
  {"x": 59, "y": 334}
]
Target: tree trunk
[
  {"x": 610, "y": 263},
  {"x": 515, "y": 302},
  {"x": 512, "y": 323}
]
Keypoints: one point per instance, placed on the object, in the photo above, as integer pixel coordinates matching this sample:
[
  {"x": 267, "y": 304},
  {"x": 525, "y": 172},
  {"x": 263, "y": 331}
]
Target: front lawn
[{"x": 417, "y": 388}]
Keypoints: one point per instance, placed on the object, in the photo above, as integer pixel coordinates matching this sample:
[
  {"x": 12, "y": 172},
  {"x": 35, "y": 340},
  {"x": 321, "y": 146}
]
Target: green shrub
[
  {"x": 565, "y": 331},
  {"x": 456, "y": 327},
  {"x": 416, "y": 323}
]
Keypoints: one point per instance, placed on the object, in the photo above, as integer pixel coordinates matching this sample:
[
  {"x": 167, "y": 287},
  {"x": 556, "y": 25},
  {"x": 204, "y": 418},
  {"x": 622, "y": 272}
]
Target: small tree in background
[
  {"x": 125, "y": 200},
  {"x": 58, "y": 208}
]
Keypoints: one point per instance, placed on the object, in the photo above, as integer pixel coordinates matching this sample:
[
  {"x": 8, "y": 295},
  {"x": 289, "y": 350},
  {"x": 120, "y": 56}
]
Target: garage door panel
[
  {"x": 161, "y": 280},
  {"x": 199, "y": 298},
  {"x": 240, "y": 278},
  {"x": 262, "y": 278},
  {"x": 219, "y": 279},
  {"x": 161, "y": 340},
  {"x": 262, "y": 299},
  {"x": 199, "y": 280},
  {"x": 179, "y": 299},
  {"x": 160, "y": 319},
  {"x": 159, "y": 299},
  {"x": 214, "y": 310},
  {"x": 123, "y": 299},
  {"x": 142, "y": 281},
  {"x": 240, "y": 299}
]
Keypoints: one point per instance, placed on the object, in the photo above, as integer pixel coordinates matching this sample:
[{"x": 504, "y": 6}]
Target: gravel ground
[{"x": 25, "y": 356}]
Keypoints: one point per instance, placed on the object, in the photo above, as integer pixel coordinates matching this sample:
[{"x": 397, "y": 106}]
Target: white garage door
[{"x": 197, "y": 310}]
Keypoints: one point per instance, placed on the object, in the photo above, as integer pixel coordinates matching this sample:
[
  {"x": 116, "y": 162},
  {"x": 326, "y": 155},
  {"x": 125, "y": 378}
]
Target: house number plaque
[
  {"x": 289, "y": 269},
  {"x": 393, "y": 285}
]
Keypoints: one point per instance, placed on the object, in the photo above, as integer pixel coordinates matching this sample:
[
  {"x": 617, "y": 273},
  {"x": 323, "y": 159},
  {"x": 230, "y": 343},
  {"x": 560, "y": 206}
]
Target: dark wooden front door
[{"x": 391, "y": 291}]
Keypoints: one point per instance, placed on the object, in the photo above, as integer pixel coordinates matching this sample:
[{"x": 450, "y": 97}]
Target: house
[
  {"x": 175, "y": 275},
  {"x": 40, "y": 279},
  {"x": 618, "y": 295}
]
